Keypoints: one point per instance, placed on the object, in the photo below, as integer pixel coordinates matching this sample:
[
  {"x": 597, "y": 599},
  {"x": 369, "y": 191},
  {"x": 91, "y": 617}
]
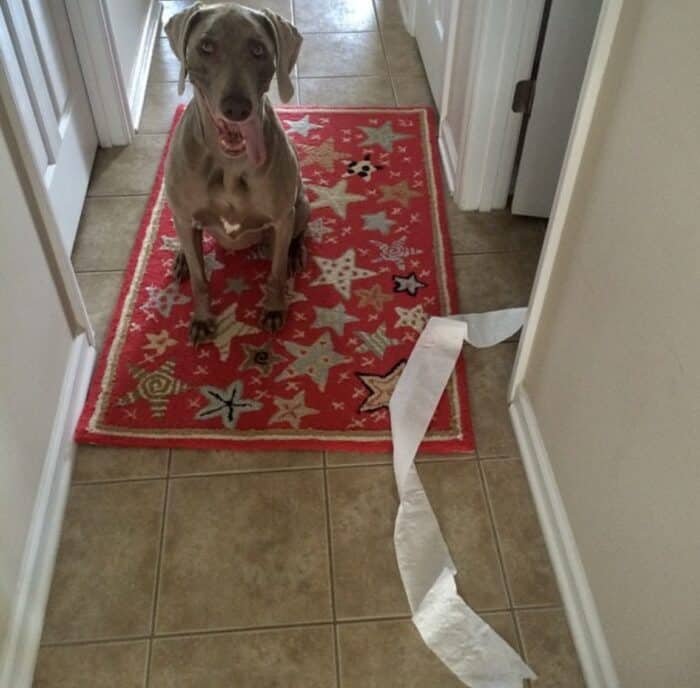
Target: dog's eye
[
  {"x": 207, "y": 47},
  {"x": 257, "y": 49}
]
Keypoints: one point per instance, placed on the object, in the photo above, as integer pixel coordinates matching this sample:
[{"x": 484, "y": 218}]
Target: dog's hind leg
[{"x": 297, "y": 247}]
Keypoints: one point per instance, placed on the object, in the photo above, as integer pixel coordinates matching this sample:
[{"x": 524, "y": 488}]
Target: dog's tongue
[{"x": 252, "y": 132}]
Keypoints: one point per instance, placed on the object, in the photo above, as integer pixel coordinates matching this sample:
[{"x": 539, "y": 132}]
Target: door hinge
[{"x": 523, "y": 96}]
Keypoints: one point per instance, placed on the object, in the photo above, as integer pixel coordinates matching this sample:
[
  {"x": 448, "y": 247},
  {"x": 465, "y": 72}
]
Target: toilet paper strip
[{"x": 465, "y": 643}]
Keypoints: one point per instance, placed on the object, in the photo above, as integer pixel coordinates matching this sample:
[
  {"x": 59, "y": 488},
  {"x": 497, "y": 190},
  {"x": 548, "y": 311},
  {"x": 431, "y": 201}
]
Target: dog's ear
[
  {"x": 287, "y": 44},
  {"x": 178, "y": 30}
]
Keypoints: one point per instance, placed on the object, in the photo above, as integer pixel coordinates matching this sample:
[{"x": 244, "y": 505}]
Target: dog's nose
[{"x": 236, "y": 108}]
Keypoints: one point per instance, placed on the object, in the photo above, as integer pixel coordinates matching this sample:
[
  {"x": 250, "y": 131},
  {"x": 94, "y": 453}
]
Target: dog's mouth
[{"x": 240, "y": 138}]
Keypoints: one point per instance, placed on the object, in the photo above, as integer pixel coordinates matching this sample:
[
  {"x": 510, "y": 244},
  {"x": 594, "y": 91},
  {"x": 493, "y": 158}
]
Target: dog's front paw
[
  {"x": 180, "y": 270},
  {"x": 202, "y": 330},
  {"x": 273, "y": 321}
]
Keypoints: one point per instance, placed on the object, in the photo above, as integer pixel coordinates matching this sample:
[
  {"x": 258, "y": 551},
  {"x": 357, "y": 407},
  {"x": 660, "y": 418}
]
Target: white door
[
  {"x": 567, "y": 45},
  {"x": 432, "y": 23},
  {"x": 40, "y": 63}
]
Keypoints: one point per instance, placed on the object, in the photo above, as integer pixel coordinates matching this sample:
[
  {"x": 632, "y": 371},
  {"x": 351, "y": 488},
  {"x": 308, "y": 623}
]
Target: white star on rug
[
  {"x": 336, "y": 318},
  {"x": 235, "y": 285},
  {"x": 383, "y": 136},
  {"x": 159, "y": 342},
  {"x": 334, "y": 197},
  {"x": 340, "y": 272},
  {"x": 301, "y": 126},
  {"x": 415, "y": 317},
  {"x": 396, "y": 252},
  {"x": 409, "y": 283},
  {"x": 378, "y": 221},
  {"x": 380, "y": 387},
  {"x": 315, "y": 360},
  {"x": 227, "y": 403},
  {"x": 318, "y": 229},
  {"x": 291, "y": 410},
  {"x": 163, "y": 300},
  {"x": 227, "y": 328}
]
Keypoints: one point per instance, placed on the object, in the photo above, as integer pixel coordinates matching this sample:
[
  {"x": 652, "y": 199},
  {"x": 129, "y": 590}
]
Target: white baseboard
[
  {"x": 27, "y": 616},
  {"x": 448, "y": 153},
  {"x": 408, "y": 14},
  {"x": 142, "y": 66},
  {"x": 581, "y": 612}
]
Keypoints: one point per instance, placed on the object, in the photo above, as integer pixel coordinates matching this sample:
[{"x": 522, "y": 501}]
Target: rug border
[{"x": 463, "y": 444}]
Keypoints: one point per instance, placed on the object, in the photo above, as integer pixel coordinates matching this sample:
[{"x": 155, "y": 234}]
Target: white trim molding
[
  {"x": 19, "y": 652},
  {"x": 143, "y": 62},
  {"x": 408, "y": 14},
  {"x": 584, "y": 621}
]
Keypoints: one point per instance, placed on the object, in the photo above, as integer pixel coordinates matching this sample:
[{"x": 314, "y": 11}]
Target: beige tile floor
[{"x": 184, "y": 569}]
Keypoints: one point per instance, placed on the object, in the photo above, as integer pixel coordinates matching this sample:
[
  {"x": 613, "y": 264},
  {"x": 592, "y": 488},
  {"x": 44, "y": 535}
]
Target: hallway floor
[{"x": 168, "y": 574}]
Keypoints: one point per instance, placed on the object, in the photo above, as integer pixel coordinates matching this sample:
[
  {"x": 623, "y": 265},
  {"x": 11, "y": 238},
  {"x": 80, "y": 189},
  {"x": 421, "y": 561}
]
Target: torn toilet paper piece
[{"x": 465, "y": 643}]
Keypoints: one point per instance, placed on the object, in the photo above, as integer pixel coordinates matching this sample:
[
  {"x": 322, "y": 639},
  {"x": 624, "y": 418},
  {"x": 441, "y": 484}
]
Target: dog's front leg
[
  {"x": 275, "y": 303},
  {"x": 203, "y": 325}
]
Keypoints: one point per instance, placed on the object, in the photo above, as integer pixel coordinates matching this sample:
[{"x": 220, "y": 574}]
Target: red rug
[{"x": 379, "y": 266}]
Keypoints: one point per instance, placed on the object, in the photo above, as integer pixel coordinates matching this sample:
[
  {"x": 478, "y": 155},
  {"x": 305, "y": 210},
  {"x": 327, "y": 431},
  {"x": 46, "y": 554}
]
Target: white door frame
[
  {"x": 116, "y": 109},
  {"x": 479, "y": 158}
]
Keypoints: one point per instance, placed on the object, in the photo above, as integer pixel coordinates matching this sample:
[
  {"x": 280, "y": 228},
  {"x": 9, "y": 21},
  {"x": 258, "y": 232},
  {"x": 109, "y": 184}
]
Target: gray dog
[{"x": 231, "y": 170}]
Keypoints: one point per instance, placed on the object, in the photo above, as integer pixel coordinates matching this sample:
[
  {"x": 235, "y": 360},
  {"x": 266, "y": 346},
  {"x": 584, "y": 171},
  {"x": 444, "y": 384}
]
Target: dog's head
[{"x": 231, "y": 54}]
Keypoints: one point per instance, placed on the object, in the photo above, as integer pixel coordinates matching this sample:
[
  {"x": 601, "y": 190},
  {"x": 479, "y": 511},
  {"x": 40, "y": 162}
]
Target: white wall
[
  {"x": 614, "y": 377},
  {"x": 34, "y": 350},
  {"x": 128, "y": 20}
]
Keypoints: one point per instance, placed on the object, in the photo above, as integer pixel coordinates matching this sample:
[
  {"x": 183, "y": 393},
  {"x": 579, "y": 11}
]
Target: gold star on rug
[
  {"x": 154, "y": 386},
  {"x": 260, "y": 358},
  {"x": 380, "y": 387},
  {"x": 315, "y": 360},
  {"x": 324, "y": 155},
  {"x": 415, "y": 317},
  {"x": 227, "y": 328},
  {"x": 159, "y": 342},
  {"x": 290, "y": 296},
  {"x": 398, "y": 192},
  {"x": 335, "y": 197},
  {"x": 291, "y": 410},
  {"x": 340, "y": 273},
  {"x": 373, "y": 297}
]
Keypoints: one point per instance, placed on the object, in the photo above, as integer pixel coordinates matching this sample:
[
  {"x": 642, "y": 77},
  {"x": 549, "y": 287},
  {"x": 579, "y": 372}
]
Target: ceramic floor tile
[
  {"x": 391, "y": 654},
  {"x": 488, "y": 375},
  {"x": 525, "y": 558},
  {"x": 354, "y": 91},
  {"x": 412, "y": 90},
  {"x": 244, "y": 550},
  {"x": 489, "y": 281},
  {"x": 288, "y": 658},
  {"x": 106, "y": 665},
  {"x": 105, "y": 572},
  {"x": 334, "y": 15},
  {"x": 118, "y": 463},
  {"x": 402, "y": 53},
  {"x": 165, "y": 66},
  {"x": 124, "y": 170},
  {"x": 282, "y": 7},
  {"x": 100, "y": 291},
  {"x": 362, "y": 509},
  {"x": 342, "y": 54},
  {"x": 549, "y": 649},
  {"x": 193, "y": 461},
  {"x": 106, "y": 232},
  {"x": 159, "y": 107},
  {"x": 334, "y": 459}
]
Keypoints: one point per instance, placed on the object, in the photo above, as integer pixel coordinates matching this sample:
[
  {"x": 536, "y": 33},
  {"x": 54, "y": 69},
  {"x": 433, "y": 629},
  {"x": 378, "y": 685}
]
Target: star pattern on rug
[
  {"x": 315, "y": 360},
  {"x": 170, "y": 243},
  {"x": 400, "y": 192},
  {"x": 336, "y": 318},
  {"x": 318, "y": 229},
  {"x": 415, "y": 317},
  {"x": 383, "y": 136},
  {"x": 163, "y": 300},
  {"x": 227, "y": 328},
  {"x": 380, "y": 387},
  {"x": 260, "y": 358},
  {"x": 337, "y": 197},
  {"x": 340, "y": 272},
  {"x": 227, "y": 403},
  {"x": 301, "y": 126},
  {"x": 324, "y": 155},
  {"x": 235, "y": 285},
  {"x": 159, "y": 342},
  {"x": 376, "y": 342},
  {"x": 408, "y": 283},
  {"x": 396, "y": 252},
  {"x": 154, "y": 386},
  {"x": 373, "y": 297},
  {"x": 290, "y": 295},
  {"x": 211, "y": 264},
  {"x": 378, "y": 221},
  {"x": 292, "y": 410}
]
